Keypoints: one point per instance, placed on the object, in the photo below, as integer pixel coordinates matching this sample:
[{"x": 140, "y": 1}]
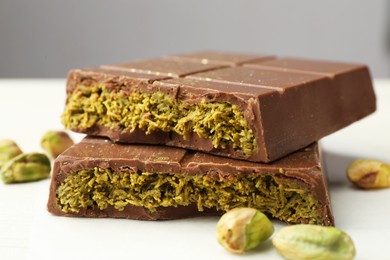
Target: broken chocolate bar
[
  {"x": 98, "y": 178},
  {"x": 256, "y": 108}
]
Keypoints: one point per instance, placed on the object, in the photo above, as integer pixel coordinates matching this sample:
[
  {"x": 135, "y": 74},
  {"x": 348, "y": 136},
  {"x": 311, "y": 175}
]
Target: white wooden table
[{"x": 28, "y": 108}]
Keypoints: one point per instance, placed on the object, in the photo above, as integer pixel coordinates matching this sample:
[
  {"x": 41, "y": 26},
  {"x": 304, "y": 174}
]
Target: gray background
[{"x": 45, "y": 38}]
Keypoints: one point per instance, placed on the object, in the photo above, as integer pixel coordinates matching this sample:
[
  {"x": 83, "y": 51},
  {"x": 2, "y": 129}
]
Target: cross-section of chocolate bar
[
  {"x": 97, "y": 178},
  {"x": 252, "y": 107}
]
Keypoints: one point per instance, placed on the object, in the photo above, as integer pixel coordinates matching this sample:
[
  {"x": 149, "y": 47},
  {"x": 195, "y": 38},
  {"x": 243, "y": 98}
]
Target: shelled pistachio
[
  {"x": 304, "y": 242},
  {"x": 242, "y": 229},
  {"x": 25, "y": 168},
  {"x": 56, "y": 142},
  {"x": 8, "y": 150},
  {"x": 369, "y": 174}
]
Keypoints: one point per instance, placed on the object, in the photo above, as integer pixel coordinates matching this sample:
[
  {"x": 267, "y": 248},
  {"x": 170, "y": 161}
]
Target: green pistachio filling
[
  {"x": 222, "y": 122},
  {"x": 99, "y": 188}
]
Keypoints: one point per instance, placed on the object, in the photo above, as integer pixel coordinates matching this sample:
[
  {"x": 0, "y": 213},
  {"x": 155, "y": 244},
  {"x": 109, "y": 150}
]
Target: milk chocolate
[
  {"x": 252, "y": 107},
  {"x": 292, "y": 189}
]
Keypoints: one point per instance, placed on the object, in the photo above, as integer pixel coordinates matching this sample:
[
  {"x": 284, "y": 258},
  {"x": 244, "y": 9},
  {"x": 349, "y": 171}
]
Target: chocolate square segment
[
  {"x": 113, "y": 80},
  {"x": 328, "y": 68},
  {"x": 164, "y": 67},
  {"x": 259, "y": 78},
  {"x": 227, "y": 58},
  {"x": 251, "y": 107},
  {"x": 97, "y": 178},
  {"x": 351, "y": 82}
]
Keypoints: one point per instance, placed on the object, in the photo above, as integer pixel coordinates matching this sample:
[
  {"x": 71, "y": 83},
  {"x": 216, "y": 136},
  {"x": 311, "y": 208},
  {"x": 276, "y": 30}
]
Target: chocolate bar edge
[{"x": 66, "y": 163}]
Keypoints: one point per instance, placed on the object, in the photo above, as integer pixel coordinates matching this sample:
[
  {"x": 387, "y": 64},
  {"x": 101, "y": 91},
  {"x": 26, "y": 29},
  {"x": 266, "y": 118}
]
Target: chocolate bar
[
  {"x": 251, "y": 107},
  {"x": 98, "y": 178}
]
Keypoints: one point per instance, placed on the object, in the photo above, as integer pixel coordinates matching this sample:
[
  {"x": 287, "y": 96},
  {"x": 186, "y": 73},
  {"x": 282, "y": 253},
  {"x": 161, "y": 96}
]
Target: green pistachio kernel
[
  {"x": 8, "y": 150},
  {"x": 222, "y": 122},
  {"x": 301, "y": 242},
  {"x": 369, "y": 174},
  {"x": 56, "y": 142},
  {"x": 25, "y": 168},
  {"x": 242, "y": 229},
  {"x": 100, "y": 188}
]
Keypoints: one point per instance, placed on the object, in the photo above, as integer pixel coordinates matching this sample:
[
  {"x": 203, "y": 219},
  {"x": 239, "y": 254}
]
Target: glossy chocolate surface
[{"x": 288, "y": 103}]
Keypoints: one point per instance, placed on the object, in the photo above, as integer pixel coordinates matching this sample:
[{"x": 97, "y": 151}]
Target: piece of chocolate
[
  {"x": 213, "y": 57},
  {"x": 256, "y": 108},
  {"x": 97, "y": 178}
]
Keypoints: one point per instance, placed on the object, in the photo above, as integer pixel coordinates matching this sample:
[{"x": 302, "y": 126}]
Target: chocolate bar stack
[{"x": 201, "y": 133}]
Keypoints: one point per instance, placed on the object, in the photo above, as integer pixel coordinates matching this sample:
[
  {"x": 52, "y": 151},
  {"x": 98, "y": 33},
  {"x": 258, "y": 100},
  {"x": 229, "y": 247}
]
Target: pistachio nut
[
  {"x": 301, "y": 242},
  {"x": 26, "y": 167},
  {"x": 56, "y": 142},
  {"x": 242, "y": 229},
  {"x": 369, "y": 174},
  {"x": 8, "y": 150}
]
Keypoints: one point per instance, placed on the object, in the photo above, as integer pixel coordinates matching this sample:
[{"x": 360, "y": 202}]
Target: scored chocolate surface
[
  {"x": 283, "y": 192},
  {"x": 287, "y": 103}
]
